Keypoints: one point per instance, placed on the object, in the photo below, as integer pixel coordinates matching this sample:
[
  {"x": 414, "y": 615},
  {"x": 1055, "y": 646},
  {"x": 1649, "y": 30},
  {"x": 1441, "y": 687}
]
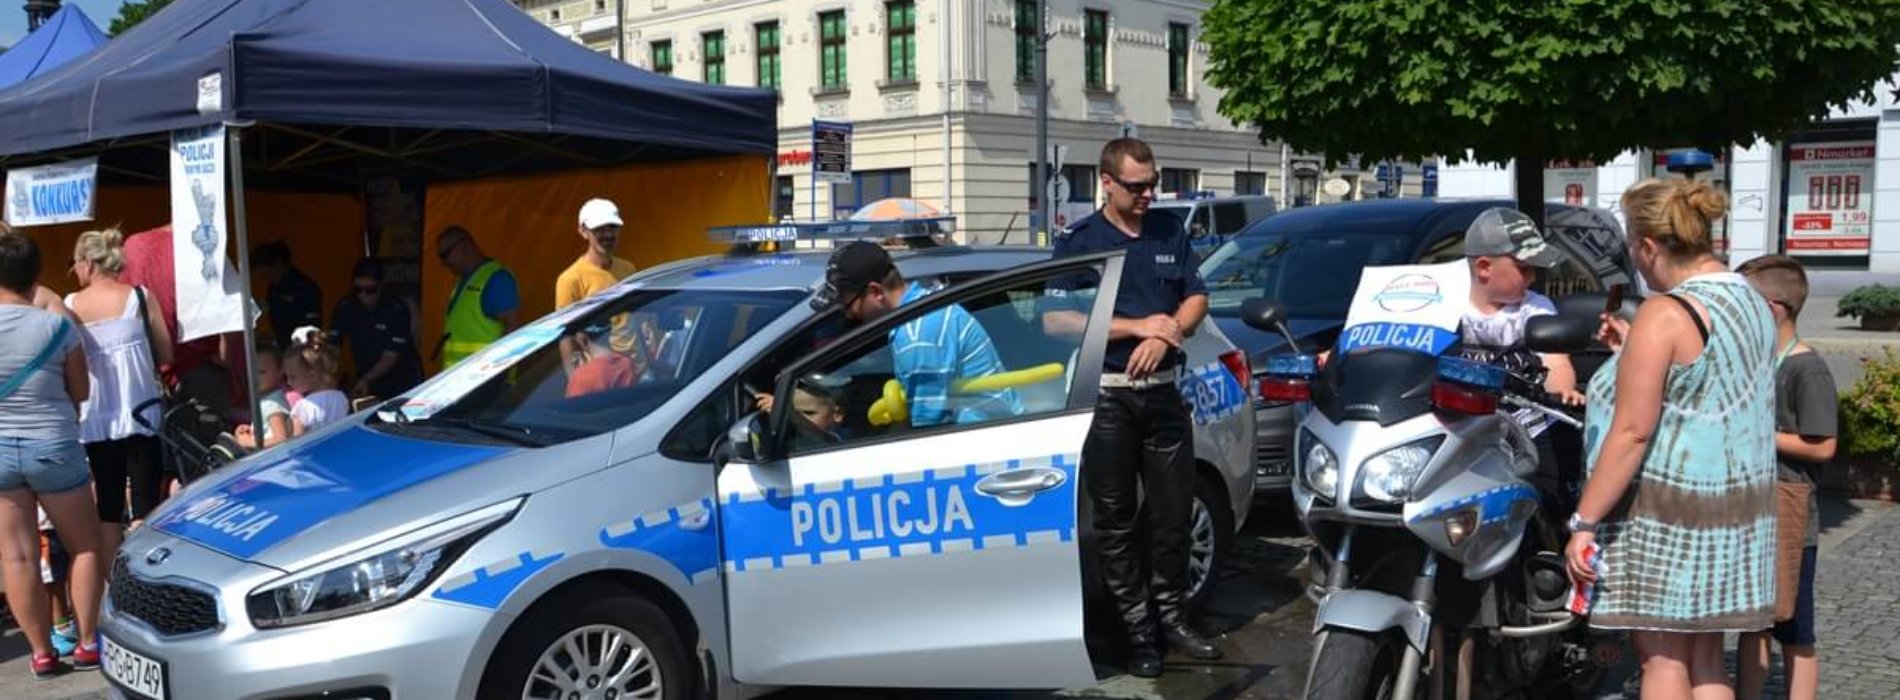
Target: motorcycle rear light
[
  {"x": 1458, "y": 398},
  {"x": 1237, "y": 365},
  {"x": 1290, "y": 389}
]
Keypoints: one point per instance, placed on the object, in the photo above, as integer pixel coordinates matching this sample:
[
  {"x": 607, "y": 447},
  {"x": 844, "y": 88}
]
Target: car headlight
[
  {"x": 387, "y": 574},
  {"x": 1320, "y": 468},
  {"x": 1388, "y": 476}
]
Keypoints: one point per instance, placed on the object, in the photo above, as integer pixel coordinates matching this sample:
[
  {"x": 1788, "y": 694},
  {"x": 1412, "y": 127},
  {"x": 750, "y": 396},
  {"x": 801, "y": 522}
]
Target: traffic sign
[
  {"x": 1058, "y": 189},
  {"x": 831, "y": 151}
]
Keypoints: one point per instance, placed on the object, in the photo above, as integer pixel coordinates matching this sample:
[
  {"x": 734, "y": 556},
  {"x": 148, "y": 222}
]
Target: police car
[{"x": 590, "y": 508}]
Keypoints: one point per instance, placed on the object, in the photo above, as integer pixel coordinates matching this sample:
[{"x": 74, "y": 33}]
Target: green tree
[
  {"x": 133, "y": 12},
  {"x": 1537, "y": 80}
]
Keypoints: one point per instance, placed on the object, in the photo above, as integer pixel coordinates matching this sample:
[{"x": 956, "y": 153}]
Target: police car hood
[{"x": 349, "y": 486}]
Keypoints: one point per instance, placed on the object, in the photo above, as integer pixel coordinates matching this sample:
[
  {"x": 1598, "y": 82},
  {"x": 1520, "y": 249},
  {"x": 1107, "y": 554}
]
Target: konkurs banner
[
  {"x": 60, "y": 193},
  {"x": 1830, "y": 198},
  {"x": 210, "y": 299},
  {"x": 1409, "y": 306}
]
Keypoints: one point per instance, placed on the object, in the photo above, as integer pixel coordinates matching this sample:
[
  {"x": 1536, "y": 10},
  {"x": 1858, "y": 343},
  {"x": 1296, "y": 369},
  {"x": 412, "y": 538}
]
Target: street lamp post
[{"x": 1044, "y": 208}]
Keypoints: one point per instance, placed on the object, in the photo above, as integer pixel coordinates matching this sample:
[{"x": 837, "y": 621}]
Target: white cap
[{"x": 599, "y": 212}]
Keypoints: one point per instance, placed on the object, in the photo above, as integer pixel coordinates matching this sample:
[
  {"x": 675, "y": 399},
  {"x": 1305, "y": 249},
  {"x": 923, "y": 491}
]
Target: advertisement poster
[
  {"x": 51, "y": 194},
  {"x": 201, "y": 270},
  {"x": 1409, "y": 306},
  {"x": 1830, "y": 198},
  {"x": 1718, "y": 176},
  {"x": 1571, "y": 182}
]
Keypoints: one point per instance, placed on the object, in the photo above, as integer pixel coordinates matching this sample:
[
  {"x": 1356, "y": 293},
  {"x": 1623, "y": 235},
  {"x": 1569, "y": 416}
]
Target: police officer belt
[{"x": 1112, "y": 380}]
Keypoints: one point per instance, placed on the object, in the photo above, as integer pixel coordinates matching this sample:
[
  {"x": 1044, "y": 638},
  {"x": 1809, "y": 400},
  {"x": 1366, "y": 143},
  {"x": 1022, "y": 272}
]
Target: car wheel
[
  {"x": 599, "y": 642},
  {"x": 1210, "y": 538}
]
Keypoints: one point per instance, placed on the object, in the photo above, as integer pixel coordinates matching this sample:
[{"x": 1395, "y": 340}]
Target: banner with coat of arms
[{"x": 210, "y": 298}]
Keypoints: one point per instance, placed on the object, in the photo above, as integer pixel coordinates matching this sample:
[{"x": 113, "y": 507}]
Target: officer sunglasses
[{"x": 1136, "y": 188}]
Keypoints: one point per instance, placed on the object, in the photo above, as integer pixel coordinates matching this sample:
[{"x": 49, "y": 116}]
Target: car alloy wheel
[
  {"x": 1201, "y": 548},
  {"x": 595, "y": 662}
]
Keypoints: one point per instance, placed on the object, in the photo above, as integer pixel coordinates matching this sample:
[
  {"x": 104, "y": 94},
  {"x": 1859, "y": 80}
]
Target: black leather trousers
[{"x": 1142, "y": 445}]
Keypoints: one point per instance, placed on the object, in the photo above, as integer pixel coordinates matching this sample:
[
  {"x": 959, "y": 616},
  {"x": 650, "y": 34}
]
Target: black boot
[
  {"x": 1144, "y": 655},
  {"x": 1183, "y": 637}
]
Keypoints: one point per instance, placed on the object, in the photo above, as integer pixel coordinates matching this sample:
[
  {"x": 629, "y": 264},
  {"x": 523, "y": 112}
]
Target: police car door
[{"x": 925, "y": 541}]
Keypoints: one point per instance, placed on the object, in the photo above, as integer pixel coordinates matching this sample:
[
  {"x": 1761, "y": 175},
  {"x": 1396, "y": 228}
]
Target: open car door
[{"x": 909, "y": 525}]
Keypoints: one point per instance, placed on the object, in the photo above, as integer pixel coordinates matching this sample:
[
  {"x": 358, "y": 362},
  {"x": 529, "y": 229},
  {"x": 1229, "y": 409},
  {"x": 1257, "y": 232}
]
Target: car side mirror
[
  {"x": 1561, "y": 333},
  {"x": 746, "y": 440}
]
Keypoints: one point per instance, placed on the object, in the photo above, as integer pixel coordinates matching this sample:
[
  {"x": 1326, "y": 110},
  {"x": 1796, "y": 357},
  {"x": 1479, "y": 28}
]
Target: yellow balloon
[{"x": 1007, "y": 380}]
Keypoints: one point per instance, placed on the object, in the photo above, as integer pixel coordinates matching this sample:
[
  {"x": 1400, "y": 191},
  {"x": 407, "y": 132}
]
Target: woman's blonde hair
[
  {"x": 104, "y": 249},
  {"x": 1677, "y": 214}
]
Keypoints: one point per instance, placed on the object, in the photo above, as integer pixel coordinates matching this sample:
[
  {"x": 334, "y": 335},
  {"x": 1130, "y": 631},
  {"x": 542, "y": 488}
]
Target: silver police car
[{"x": 590, "y": 508}]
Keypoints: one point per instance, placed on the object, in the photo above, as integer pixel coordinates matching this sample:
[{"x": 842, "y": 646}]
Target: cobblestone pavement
[{"x": 1857, "y": 611}]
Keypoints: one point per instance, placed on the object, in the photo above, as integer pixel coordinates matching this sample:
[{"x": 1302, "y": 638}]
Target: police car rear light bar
[{"x": 902, "y": 230}]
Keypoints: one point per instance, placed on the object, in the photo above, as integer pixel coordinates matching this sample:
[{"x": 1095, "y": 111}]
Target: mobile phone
[{"x": 1615, "y": 302}]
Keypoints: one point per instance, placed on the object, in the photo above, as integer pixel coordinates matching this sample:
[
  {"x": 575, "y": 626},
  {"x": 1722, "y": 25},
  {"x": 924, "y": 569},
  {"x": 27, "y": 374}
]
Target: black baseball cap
[{"x": 851, "y": 269}]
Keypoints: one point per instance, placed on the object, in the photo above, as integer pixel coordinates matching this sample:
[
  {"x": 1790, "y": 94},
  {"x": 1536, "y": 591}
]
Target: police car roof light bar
[{"x": 907, "y": 230}]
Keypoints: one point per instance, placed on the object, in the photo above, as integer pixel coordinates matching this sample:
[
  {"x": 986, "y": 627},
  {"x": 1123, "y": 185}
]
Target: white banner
[
  {"x": 52, "y": 194},
  {"x": 210, "y": 300},
  {"x": 1409, "y": 306},
  {"x": 1830, "y": 198}
]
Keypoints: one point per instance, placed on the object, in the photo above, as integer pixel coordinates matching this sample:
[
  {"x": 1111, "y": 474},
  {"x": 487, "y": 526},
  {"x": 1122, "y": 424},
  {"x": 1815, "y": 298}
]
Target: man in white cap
[{"x": 598, "y": 268}]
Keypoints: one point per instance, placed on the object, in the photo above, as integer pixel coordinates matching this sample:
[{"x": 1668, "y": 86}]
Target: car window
[
  {"x": 1230, "y": 217},
  {"x": 979, "y": 360},
  {"x": 1204, "y": 218},
  {"x": 606, "y": 368},
  {"x": 1451, "y": 247},
  {"x": 703, "y": 427},
  {"x": 1312, "y": 275}
]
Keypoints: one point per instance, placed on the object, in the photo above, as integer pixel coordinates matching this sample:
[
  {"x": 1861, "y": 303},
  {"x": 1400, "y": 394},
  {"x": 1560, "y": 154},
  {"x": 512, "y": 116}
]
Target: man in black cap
[
  {"x": 1142, "y": 439},
  {"x": 930, "y": 353}
]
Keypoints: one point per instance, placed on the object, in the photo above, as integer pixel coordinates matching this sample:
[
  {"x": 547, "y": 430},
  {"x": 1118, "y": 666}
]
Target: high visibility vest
[{"x": 469, "y": 330}]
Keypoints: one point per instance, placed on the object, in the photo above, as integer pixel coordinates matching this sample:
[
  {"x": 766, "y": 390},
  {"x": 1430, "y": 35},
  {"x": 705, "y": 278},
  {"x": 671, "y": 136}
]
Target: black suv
[{"x": 1308, "y": 260}]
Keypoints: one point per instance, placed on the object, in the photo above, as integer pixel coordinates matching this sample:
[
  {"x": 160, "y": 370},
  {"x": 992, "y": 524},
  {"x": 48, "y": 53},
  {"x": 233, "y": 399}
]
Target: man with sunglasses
[
  {"x": 1142, "y": 440},
  {"x": 377, "y": 327},
  {"x": 485, "y": 302}
]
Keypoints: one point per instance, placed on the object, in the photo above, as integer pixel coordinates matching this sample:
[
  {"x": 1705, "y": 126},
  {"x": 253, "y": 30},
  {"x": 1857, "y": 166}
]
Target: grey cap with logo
[{"x": 1502, "y": 231}]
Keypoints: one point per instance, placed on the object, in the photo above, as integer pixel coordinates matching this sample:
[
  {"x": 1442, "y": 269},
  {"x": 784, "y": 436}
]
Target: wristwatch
[{"x": 1578, "y": 524}]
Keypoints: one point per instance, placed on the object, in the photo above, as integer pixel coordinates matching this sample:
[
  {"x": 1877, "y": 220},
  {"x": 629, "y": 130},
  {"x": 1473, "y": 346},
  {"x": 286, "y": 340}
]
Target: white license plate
[{"x": 133, "y": 671}]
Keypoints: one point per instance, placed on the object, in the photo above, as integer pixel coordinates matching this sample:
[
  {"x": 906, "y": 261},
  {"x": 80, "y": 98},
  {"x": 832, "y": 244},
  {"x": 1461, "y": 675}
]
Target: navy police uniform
[
  {"x": 1143, "y": 433},
  {"x": 372, "y": 332}
]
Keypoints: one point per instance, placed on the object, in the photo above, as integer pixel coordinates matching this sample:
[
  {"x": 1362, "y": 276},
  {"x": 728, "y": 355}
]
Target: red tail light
[
  {"x": 1237, "y": 364},
  {"x": 1279, "y": 388},
  {"x": 1459, "y": 398}
]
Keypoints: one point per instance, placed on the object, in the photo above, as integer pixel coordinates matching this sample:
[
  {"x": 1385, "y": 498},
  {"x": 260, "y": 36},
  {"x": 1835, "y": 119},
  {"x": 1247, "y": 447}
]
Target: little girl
[
  {"x": 310, "y": 368},
  {"x": 275, "y": 407}
]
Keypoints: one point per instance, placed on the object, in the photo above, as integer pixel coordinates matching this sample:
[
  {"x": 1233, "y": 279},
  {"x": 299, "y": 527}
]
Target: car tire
[
  {"x": 1211, "y": 539},
  {"x": 587, "y": 616}
]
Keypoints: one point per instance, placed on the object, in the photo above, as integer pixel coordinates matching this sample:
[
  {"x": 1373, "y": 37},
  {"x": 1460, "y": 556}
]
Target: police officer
[
  {"x": 486, "y": 298},
  {"x": 1143, "y": 434},
  {"x": 377, "y": 327},
  {"x": 295, "y": 300}
]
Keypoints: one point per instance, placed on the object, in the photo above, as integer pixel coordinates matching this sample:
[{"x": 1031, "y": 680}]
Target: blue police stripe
[
  {"x": 694, "y": 552},
  {"x": 1494, "y": 504},
  {"x": 1212, "y": 393},
  {"x": 915, "y": 514},
  {"x": 277, "y": 498},
  {"x": 490, "y": 586}
]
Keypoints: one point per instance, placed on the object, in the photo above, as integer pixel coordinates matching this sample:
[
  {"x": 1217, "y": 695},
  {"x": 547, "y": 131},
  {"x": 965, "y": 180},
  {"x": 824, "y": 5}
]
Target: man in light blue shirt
[{"x": 929, "y": 354}]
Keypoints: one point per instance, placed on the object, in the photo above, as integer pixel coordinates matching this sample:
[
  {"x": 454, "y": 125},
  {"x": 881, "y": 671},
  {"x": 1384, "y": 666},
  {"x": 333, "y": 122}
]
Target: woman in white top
[{"x": 123, "y": 334}]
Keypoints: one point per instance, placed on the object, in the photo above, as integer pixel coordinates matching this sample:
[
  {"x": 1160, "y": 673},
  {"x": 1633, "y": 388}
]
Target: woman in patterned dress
[{"x": 1680, "y": 433}]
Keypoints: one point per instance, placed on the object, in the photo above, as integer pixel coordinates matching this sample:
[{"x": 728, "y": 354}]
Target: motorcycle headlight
[
  {"x": 1388, "y": 476},
  {"x": 387, "y": 574},
  {"x": 1320, "y": 469}
]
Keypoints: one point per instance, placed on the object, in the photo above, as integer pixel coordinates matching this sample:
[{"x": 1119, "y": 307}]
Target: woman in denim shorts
[{"x": 42, "y": 378}]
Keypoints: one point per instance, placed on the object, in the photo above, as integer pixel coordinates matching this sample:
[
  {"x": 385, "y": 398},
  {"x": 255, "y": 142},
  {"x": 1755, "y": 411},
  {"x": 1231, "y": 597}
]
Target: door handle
[{"x": 1016, "y": 486}]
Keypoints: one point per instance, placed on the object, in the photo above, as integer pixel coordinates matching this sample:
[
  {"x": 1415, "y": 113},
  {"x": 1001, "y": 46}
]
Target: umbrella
[{"x": 895, "y": 209}]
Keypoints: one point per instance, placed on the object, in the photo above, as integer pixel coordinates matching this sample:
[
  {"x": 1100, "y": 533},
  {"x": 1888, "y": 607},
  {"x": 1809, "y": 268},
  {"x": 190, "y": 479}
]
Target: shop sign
[
  {"x": 1830, "y": 198},
  {"x": 1571, "y": 182}
]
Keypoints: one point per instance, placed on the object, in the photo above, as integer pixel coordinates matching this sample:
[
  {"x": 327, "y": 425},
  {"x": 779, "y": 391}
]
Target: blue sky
[{"x": 13, "y": 18}]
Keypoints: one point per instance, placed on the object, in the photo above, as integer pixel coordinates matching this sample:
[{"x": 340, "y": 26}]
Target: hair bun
[
  {"x": 1704, "y": 199},
  {"x": 112, "y": 238}
]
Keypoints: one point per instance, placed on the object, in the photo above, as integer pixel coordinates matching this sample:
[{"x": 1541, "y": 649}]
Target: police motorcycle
[{"x": 1436, "y": 571}]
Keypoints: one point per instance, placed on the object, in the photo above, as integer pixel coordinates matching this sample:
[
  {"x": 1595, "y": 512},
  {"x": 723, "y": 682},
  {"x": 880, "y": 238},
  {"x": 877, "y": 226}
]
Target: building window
[
  {"x": 900, "y": 30},
  {"x": 783, "y": 192},
  {"x": 1081, "y": 184},
  {"x": 600, "y": 5},
  {"x": 554, "y": 15},
  {"x": 1180, "y": 179},
  {"x": 767, "y": 35},
  {"x": 714, "y": 44},
  {"x": 868, "y": 186},
  {"x": 1250, "y": 182},
  {"x": 1028, "y": 28},
  {"x": 831, "y": 66},
  {"x": 663, "y": 57},
  {"x": 1095, "y": 47},
  {"x": 1178, "y": 60}
]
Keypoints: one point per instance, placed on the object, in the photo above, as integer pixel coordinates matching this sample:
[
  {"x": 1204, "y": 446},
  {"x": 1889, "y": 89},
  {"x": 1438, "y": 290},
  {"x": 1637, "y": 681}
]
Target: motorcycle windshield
[
  {"x": 1385, "y": 385},
  {"x": 1401, "y": 319}
]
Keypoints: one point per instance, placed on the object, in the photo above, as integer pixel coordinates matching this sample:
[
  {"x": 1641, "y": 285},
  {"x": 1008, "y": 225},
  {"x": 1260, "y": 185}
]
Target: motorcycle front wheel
[{"x": 1352, "y": 665}]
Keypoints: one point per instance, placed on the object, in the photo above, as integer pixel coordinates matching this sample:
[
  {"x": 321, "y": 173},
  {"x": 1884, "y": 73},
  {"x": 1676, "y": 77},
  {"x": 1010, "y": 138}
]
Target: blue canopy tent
[
  {"x": 67, "y": 35},
  {"x": 320, "y": 95}
]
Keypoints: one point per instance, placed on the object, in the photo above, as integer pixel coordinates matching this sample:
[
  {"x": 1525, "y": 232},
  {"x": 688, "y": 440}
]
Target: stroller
[{"x": 193, "y": 437}]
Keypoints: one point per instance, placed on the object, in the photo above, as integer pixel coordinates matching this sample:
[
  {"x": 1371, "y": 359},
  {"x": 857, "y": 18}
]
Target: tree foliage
[
  {"x": 133, "y": 12},
  {"x": 1541, "y": 79}
]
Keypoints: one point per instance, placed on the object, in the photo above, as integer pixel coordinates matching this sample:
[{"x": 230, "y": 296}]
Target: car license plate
[{"x": 133, "y": 671}]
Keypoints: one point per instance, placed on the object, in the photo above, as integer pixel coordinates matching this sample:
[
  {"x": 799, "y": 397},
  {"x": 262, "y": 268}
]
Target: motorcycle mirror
[
  {"x": 1561, "y": 333},
  {"x": 1262, "y": 314}
]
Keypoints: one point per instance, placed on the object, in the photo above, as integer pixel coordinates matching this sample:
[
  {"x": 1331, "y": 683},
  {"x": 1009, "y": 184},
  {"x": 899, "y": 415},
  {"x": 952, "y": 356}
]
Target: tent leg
[{"x": 234, "y": 163}]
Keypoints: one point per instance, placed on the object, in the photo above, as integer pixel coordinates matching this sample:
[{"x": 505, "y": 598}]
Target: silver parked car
[{"x": 591, "y": 508}]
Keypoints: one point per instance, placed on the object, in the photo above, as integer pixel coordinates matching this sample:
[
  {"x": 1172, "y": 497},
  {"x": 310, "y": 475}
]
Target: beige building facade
[{"x": 940, "y": 97}]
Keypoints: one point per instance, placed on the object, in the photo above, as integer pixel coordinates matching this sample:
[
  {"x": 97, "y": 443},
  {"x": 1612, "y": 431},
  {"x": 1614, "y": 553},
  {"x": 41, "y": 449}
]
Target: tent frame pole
[{"x": 234, "y": 164}]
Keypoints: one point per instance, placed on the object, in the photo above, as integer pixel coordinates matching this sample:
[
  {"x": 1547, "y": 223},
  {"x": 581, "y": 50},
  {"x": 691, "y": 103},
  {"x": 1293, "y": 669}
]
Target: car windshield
[
  {"x": 1313, "y": 275},
  {"x": 592, "y": 368}
]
